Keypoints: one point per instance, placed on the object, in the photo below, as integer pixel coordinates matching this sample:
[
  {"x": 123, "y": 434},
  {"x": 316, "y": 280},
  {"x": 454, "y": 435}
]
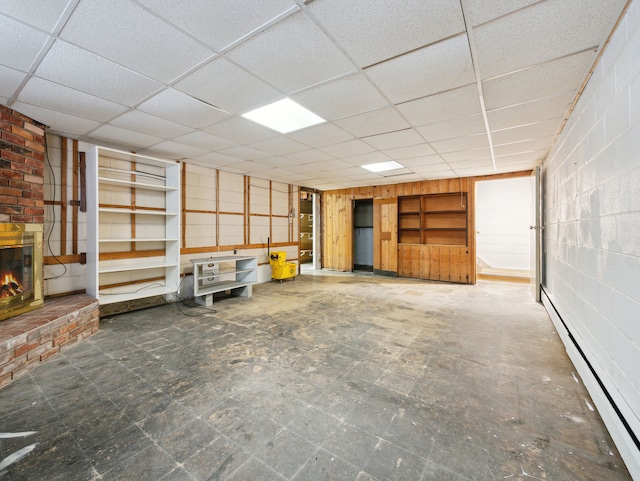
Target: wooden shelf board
[
  {"x": 110, "y": 298},
  {"x": 156, "y": 265},
  {"x": 138, "y": 240},
  {"x": 136, "y": 211},
  {"x": 137, "y": 185}
]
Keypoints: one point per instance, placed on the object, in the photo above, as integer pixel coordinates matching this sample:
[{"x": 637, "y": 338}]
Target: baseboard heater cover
[{"x": 621, "y": 431}]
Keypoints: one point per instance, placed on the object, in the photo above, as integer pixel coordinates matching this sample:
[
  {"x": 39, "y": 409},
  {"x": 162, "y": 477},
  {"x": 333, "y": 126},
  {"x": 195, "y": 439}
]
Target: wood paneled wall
[
  {"x": 443, "y": 263},
  {"x": 446, "y": 263}
]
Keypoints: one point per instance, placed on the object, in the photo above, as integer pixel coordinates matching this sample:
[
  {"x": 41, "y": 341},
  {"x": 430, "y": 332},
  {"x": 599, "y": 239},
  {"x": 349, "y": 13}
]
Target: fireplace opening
[{"x": 20, "y": 268}]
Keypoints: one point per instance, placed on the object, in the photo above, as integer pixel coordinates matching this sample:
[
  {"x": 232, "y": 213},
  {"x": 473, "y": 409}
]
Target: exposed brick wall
[
  {"x": 29, "y": 339},
  {"x": 21, "y": 168}
]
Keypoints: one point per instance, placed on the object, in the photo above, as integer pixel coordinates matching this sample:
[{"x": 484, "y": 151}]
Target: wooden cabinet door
[{"x": 385, "y": 236}]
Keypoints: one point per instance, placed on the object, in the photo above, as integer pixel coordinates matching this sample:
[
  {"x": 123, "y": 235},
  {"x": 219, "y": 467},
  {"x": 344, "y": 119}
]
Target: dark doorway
[{"x": 363, "y": 235}]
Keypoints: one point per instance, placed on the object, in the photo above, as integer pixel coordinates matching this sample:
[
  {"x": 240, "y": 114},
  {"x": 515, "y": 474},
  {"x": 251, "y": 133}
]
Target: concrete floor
[{"x": 329, "y": 377}]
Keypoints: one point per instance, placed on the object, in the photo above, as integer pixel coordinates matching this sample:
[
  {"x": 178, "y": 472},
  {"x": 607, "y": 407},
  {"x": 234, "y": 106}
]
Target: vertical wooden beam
[
  {"x": 218, "y": 209},
  {"x": 183, "y": 205},
  {"x": 74, "y": 208},
  {"x": 247, "y": 209},
  {"x": 63, "y": 197},
  {"x": 271, "y": 210}
]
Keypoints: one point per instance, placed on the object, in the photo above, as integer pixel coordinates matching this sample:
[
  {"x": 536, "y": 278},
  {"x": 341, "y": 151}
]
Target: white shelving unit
[
  {"x": 219, "y": 274},
  {"x": 133, "y": 204}
]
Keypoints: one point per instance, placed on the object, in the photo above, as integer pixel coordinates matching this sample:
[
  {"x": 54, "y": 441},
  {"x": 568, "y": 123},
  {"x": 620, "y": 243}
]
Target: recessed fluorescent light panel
[
  {"x": 284, "y": 116},
  {"x": 383, "y": 166}
]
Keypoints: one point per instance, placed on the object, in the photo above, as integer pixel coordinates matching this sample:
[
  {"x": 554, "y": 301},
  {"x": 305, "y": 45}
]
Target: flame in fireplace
[{"x": 10, "y": 286}]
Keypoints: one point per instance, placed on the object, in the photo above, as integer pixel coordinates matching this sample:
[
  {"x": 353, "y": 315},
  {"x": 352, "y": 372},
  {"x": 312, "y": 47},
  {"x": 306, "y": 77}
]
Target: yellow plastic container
[{"x": 280, "y": 269}]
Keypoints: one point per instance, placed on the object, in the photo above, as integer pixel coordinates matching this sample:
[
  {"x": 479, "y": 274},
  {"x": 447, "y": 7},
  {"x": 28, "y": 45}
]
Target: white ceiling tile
[
  {"x": 280, "y": 146},
  {"x": 71, "y": 125},
  {"x": 82, "y": 70},
  {"x": 532, "y": 156},
  {"x": 39, "y": 14},
  {"x": 440, "y": 67},
  {"x": 10, "y": 79},
  {"x": 277, "y": 161},
  {"x": 433, "y": 168},
  {"x": 292, "y": 55},
  {"x": 124, "y": 138},
  {"x": 544, "y": 31},
  {"x": 373, "y": 123},
  {"x": 526, "y": 132},
  {"x": 176, "y": 150},
  {"x": 216, "y": 159},
  {"x": 321, "y": 135},
  {"x": 348, "y": 148},
  {"x": 375, "y": 31},
  {"x": 227, "y": 86},
  {"x": 241, "y": 131},
  {"x": 473, "y": 171},
  {"x": 369, "y": 158},
  {"x": 308, "y": 156},
  {"x": 422, "y": 161},
  {"x": 409, "y": 152},
  {"x": 178, "y": 107},
  {"x": 461, "y": 143},
  {"x": 391, "y": 140},
  {"x": 450, "y": 129},
  {"x": 310, "y": 168},
  {"x": 444, "y": 106},
  {"x": 529, "y": 112},
  {"x": 544, "y": 80},
  {"x": 481, "y": 11},
  {"x": 342, "y": 97},
  {"x": 219, "y": 24},
  {"x": 471, "y": 154},
  {"x": 21, "y": 44},
  {"x": 245, "y": 152},
  {"x": 465, "y": 164},
  {"x": 251, "y": 167},
  {"x": 161, "y": 51},
  {"x": 205, "y": 141},
  {"x": 150, "y": 125},
  {"x": 57, "y": 97},
  {"x": 523, "y": 146}
]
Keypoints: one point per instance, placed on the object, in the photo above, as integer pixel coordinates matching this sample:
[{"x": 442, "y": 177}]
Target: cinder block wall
[{"x": 592, "y": 225}]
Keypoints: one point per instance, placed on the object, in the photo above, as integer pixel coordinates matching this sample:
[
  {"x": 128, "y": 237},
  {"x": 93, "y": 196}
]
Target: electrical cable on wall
[{"x": 53, "y": 211}]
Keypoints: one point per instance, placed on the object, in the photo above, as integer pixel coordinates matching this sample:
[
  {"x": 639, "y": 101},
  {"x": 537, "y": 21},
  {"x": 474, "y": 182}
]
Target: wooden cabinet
[
  {"x": 433, "y": 219},
  {"x": 133, "y": 226}
]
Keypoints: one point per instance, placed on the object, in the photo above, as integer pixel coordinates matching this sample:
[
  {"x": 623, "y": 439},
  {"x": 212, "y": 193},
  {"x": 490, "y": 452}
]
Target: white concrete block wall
[{"x": 592, "y": 229}]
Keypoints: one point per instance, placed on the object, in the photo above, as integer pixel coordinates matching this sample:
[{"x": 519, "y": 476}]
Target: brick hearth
[{"x": 29, "y": 339}]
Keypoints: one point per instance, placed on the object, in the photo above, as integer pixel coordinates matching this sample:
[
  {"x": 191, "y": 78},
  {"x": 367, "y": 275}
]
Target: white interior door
[{"x": 536, "y": 233}]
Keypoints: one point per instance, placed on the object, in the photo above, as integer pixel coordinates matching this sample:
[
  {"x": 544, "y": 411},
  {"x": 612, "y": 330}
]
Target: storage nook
[
  {"x": 133, "y": 226},
  {"x": 434, "y": 219}
]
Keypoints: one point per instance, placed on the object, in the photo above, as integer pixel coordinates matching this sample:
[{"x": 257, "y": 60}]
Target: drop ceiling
[{"x": 446, "y": 88}]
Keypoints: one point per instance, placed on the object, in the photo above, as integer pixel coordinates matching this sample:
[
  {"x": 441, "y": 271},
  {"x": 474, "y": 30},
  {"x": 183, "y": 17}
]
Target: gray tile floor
[{"x": 324, "y": 378}]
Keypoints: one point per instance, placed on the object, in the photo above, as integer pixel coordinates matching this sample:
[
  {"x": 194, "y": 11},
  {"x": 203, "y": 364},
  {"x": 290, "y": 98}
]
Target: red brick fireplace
[{"x": 31, "y": 330}]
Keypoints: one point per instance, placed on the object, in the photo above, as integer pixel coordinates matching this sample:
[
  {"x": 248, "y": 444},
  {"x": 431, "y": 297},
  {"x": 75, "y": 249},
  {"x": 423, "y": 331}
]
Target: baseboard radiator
[{"x": 610, "y": 404}]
